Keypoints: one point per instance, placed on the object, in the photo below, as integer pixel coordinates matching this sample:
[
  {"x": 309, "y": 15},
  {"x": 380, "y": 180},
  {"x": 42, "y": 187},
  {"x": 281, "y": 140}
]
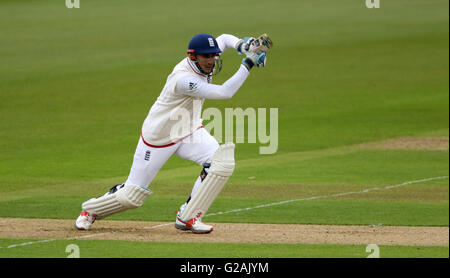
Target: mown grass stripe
[{"x": 327, "y": 196}]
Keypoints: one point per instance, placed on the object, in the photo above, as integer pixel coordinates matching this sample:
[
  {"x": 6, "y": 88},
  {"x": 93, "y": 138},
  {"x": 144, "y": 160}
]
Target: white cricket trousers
[{"x": 199, "y": 147}]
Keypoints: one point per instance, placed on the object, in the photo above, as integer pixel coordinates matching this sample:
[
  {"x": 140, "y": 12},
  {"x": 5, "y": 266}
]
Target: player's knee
[
  {"x": 209, "y": 154},
  {"x": 223, "y": 160}
]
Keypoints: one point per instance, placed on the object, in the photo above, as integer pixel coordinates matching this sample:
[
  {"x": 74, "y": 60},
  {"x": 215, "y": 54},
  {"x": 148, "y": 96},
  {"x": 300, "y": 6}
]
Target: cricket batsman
[{"x": 164, "y": 133}]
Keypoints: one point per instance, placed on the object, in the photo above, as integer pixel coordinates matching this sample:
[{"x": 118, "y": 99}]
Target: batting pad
[
  {"x": 128, "y": 197},
  {"x": 222, "y": 167}
]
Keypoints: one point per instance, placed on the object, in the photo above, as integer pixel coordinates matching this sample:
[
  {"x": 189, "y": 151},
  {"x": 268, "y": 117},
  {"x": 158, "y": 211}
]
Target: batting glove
[
  {"x": 255, "y": 59},
  {"x": 254, "y": 45},
  {"x": 245, "y": 45}
]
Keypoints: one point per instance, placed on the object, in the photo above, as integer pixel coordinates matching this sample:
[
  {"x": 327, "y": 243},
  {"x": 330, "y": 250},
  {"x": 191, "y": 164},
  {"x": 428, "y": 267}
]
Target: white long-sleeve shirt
[
  {"x": 177, "y": 112},
  {"x": 194, "y": 86}
]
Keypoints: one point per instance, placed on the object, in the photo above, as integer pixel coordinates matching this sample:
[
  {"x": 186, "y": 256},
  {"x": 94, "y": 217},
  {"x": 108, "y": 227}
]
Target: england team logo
[
  {"x": 147, "y": 156},
  {"x": 211, "y": 42}
]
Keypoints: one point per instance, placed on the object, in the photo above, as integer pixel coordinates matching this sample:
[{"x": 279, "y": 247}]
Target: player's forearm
[
  {"x": 232, "y": 85},
  {"x": 197, "y": 88},
  {"x": 226, "y": 41}
]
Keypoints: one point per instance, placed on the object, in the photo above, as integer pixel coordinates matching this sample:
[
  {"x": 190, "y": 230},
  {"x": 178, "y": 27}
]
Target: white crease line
[
  {"x": 51, "y": 239},
  {"x": 88, "y": 236},
  {"x": 29, "y": 243},
  {"x": 249, "y": 208},
  {"x": 158, "y": 226},
  {"x": 327, "y": 196}
]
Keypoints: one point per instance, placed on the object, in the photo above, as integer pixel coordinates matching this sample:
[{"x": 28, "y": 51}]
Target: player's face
[{"x": 206, "y": 62}]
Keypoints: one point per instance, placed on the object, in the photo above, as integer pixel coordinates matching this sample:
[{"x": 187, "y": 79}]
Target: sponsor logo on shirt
[{"x": 192, "y": 86}]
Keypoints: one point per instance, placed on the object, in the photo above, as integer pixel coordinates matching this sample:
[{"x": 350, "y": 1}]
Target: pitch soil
[
  {"x": 411, "y": 143},
  {"x": 227, "y": 232}
]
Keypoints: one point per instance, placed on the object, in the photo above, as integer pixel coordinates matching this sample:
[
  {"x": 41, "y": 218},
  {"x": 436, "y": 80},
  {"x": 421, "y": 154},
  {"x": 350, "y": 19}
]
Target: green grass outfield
[
  {"x": 127, "y": 249},
  {"x": 76, "y": 85}
]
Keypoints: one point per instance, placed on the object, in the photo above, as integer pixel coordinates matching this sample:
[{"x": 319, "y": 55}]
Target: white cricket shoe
[
  {"x": 84, "y": 221},
  {"x": 195, "y": 225}
]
